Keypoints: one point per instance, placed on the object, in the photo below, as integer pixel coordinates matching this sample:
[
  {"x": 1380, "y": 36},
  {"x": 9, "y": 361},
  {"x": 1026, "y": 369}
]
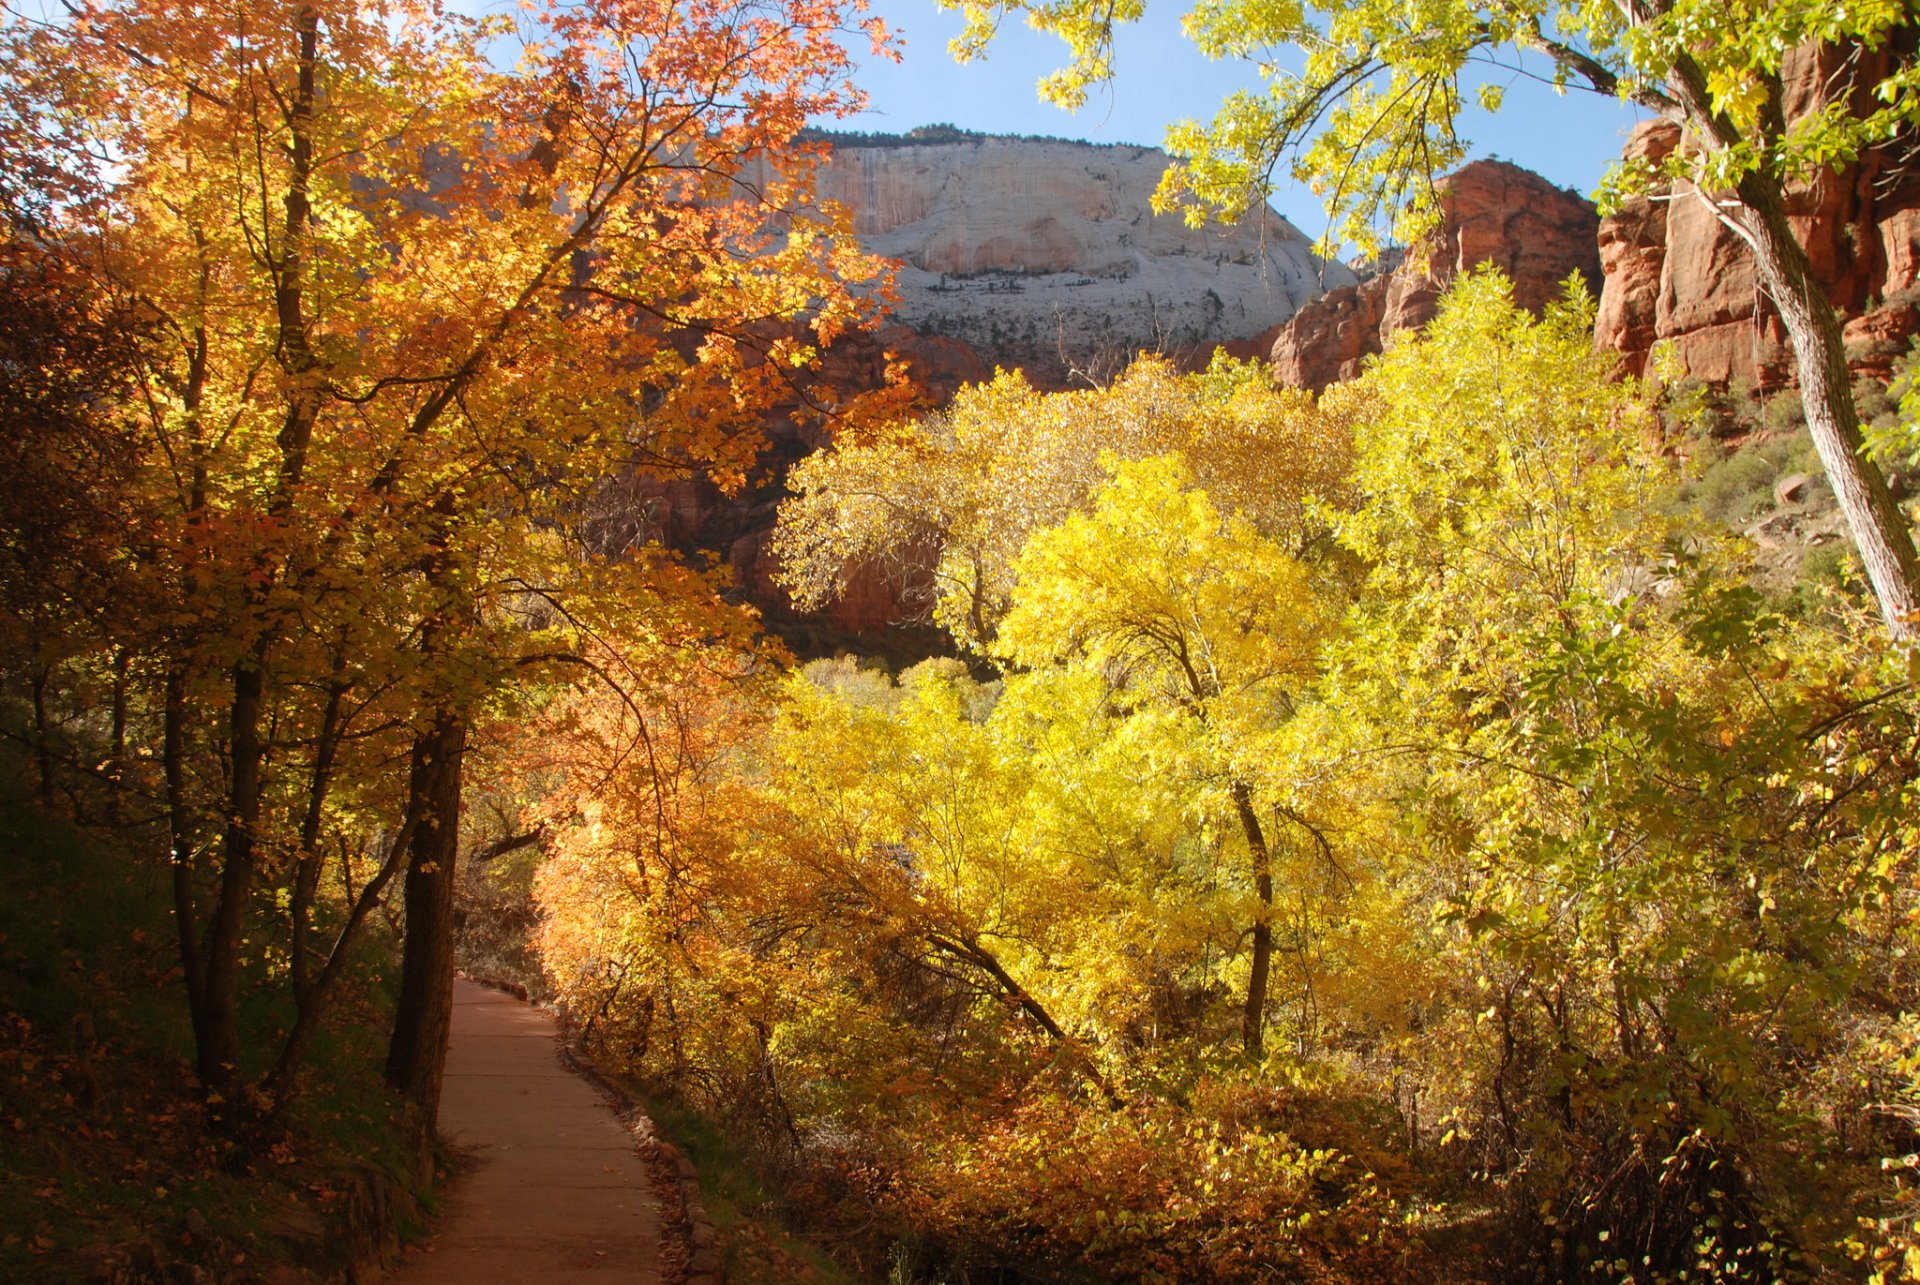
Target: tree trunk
[
  {"x": 186, "y": 927},
  {"x": 1254, "y": 1018},
  {"x": 42, "y": 746},
  {"x": 1879, "y": 529},
  {"x": 973, "y": 953},
  {"x": 219, "y": 1051},
  {"x": 122, "y": 666},
  {"x": 417, "y": 1054},
  {"x": 306, "y": 875},
  {"x": 313, "y": 1003},
  {"x": 1880, "y": 532}
]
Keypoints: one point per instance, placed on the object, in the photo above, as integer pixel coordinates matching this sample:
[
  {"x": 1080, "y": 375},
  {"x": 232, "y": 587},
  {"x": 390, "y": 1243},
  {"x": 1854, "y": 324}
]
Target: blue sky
[{"x": 1161, "y": 79}]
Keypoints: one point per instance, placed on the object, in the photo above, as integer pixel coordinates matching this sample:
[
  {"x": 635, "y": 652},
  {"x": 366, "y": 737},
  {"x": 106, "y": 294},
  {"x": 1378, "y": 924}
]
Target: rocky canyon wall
[
  {"x": 1491, "y": 212},
  {"x": 1047, "y": 254},
  {"x": 1675, "y": 273}
]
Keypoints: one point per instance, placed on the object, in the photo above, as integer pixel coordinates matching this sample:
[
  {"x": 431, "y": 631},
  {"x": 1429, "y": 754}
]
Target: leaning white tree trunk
[
  {"x": 1758, "y": 212},
  {"x": 1880, "y": 530}
]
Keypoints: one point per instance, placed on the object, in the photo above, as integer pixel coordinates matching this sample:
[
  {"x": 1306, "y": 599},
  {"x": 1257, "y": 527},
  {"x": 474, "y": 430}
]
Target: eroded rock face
[
  {"x": 1330, "y": 338},
  {"x": 1675, "y": 272},
  {"x": 1492, "y": 212},
  {"x": 1047, "y": 254}
]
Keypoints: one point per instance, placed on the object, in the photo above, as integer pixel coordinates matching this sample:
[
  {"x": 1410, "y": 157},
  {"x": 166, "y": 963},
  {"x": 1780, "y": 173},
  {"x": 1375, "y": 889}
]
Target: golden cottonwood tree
[
  {"x": 1200, "y": 624},
  {"x": 956, "y": 496},
  {"x": 949, "y": 934},
  {"x": 412, "y": 303}
]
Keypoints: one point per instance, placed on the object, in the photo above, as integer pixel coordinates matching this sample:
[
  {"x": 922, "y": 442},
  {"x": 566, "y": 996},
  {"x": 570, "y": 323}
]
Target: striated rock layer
[
  {"x": 1675, "y": 272},
  {"x": 1046, "y": 254},
  {"x": 1492, "y": 212}
]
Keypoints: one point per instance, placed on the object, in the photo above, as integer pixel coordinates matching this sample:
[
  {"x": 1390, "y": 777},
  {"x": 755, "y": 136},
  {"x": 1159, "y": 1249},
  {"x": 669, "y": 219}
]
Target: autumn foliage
[
  {"x": 1443, "y": 864},
  {"x": 348, "y": 310},
  {"x": 1380, "y": 836}
]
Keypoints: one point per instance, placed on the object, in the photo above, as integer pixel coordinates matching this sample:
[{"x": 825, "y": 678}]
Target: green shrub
[
  {"x": 1783, "y": 414},
  {"x": 1738, "y": 488}
]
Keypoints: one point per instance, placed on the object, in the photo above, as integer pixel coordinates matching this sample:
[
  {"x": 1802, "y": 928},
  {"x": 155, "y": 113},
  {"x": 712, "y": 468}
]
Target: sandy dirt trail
[{"x": 555, "y": 1192}]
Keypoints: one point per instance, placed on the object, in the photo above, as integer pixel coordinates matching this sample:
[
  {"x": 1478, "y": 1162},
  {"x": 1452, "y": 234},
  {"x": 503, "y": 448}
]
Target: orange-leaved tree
[{"x": 417, "y": 296}]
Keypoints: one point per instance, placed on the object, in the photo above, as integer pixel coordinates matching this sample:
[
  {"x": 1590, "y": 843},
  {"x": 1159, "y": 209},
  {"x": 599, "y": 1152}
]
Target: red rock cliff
[
  {"x": 1675, "y": 272},
  {"x": 1492, "y": 212}
]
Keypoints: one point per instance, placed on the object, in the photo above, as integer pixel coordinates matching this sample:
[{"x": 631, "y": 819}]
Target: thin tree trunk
[
  {"x": 42, "y": 747},
  {"x": 1880, "y": 530},
  {"x": 423, "y": 1014},
  {"x": 219, "y": 1051},
  {"x": 173, "y": 754},
  {"x": 122, "y": 664},
  {"x": 980, "y": 957},
  {"x": 286, "y": 1068},
  {"x": 306, "y": 875},
  {"x": 1253, "y": 1018}
]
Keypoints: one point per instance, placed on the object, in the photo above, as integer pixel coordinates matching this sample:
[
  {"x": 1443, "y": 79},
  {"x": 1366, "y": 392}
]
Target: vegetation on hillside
[{"x": 1318, "y": 875}]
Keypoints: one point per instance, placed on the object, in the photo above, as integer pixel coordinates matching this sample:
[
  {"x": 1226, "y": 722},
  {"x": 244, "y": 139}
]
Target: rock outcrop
[
  {"x": 1046, "y": 254},
  {"x": 1491, "y": 212},
  {"x": 1674, "y": 272}
]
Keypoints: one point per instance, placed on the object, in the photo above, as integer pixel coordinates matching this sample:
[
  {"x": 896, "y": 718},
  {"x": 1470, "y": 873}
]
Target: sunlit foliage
[
  {"x": 955, "y": 497},
  {"x": 401, "y": 308},
  {"x": 1340, "y": 863}
]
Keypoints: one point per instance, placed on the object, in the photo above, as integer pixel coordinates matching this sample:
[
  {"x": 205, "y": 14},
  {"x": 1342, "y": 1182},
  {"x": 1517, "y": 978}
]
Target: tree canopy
[
  {"x": 946, "y": 505},
  {"x": 1388, "y": 834},
  {"x": 1363, "y": 101},
  {"x": 402, "y": 306},
  {"x": 1501, "y": 839}
]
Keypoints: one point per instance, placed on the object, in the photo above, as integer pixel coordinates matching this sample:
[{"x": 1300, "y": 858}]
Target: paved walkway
[{"x": 556, "y": 1192}]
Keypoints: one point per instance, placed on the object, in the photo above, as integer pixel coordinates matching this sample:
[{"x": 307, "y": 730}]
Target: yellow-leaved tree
[
  {"x": 1649, "y": 827},
  {"x": 945, "y": 505},
  {"x": 1514, "y": 866},
  {"x": 1201, "y": 626}
]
